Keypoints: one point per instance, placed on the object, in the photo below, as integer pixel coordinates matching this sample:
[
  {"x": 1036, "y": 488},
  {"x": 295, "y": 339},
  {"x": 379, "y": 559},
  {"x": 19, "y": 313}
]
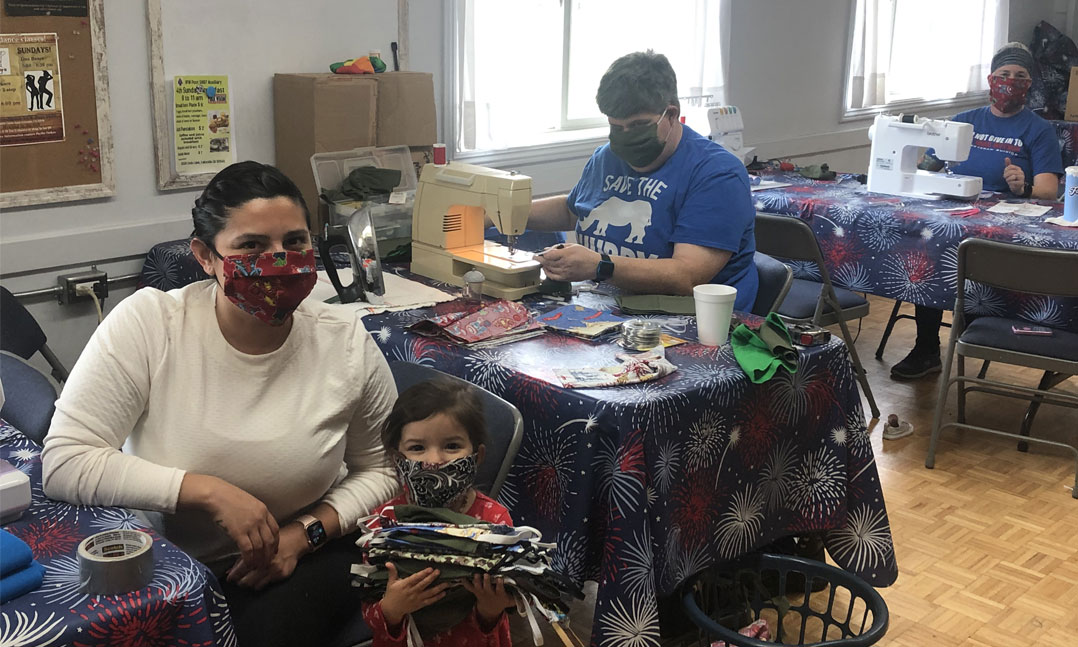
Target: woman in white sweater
[{"x": 250, "y": 415}]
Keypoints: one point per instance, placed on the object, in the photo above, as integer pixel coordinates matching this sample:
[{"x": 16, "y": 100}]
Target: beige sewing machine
[{"x": 451, "y": 204}]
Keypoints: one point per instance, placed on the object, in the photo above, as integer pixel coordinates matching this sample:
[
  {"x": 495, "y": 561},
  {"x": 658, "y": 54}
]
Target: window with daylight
[
  {"x": 914, "y": 53},
  {"x": 524, "y": 73}
]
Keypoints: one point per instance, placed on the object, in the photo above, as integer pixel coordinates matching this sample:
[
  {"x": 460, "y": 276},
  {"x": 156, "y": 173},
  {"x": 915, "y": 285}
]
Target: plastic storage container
[
  {"x": 392, "y": 222},
  {"x": 845, "y": 612}
]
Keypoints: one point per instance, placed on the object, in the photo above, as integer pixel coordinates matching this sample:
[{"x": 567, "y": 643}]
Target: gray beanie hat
[{"x": 1013, "y": 54}]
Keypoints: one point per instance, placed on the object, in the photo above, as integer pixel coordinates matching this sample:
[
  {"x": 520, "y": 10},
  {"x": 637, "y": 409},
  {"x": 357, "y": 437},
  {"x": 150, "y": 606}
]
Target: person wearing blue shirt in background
[
  {"x": 660, "y": 208},
  {"x": 1014, "y": 151}
]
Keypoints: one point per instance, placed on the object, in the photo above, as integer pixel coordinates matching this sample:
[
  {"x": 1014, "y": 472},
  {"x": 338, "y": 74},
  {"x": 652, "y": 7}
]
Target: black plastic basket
[{"x": 846, "y": 612}]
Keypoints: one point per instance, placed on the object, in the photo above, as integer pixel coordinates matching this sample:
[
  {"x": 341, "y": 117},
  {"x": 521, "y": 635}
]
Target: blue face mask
[
  {"x": 437, "y": 485},
  {"x": 638, "y": 147}
]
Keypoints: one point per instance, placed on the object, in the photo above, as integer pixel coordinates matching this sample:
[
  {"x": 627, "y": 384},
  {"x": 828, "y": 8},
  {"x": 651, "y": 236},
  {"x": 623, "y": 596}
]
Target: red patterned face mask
[
  {"x": 1007, "y": 95},
  {"x": 269, "y": 286}
]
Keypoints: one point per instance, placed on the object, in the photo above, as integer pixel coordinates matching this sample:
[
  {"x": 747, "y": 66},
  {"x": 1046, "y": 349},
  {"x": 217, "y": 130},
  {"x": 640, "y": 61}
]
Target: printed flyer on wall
[
  {"x": 30, "y": 107},
  {"x": 202, "y": 123}
]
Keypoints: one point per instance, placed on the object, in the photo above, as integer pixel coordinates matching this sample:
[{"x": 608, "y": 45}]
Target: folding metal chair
[
  {"x": 1022, "y": 269},
  {"x": 505, "y": 426},
  {"x": 819, "y": 303},
  {"x": 20, "y": 334},
  {"x": 775, "y": 279}
]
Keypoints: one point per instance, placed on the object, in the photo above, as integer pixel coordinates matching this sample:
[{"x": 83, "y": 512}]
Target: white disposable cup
[{"x": 714, "y": 307}]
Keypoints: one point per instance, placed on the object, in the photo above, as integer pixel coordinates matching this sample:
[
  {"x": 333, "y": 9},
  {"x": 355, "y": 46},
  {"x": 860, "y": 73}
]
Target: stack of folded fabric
[
  {"x": 19, "y": 572},
  {"x": 460, "y": 546},
  {"x": 474, "y": 326}
]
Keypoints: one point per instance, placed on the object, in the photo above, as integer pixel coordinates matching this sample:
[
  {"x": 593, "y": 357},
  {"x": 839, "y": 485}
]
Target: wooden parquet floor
[{"x": 987, "y": 542}]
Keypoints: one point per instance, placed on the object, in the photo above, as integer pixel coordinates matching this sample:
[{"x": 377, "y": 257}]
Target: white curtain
[
  {"x": 922, "y": 49},
  {"x": 494, "y": 110}
]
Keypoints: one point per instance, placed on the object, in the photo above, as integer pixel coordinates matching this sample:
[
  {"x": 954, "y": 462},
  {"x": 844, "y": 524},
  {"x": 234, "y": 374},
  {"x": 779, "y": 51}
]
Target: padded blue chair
[
  {"x": 775, "y": 279},
  {"x": 20, "y": 334},
  {"x": 1019, "y": 268},
  {"x": 505, "y": 429},
  {"x": 819, "y": 303},
  {"x": 29, "y": 397},
  {"x": 505, "y": 426}
]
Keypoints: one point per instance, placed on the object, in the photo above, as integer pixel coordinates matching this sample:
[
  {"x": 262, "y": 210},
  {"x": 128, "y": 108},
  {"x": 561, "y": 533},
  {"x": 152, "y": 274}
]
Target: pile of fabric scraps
[
  {"x": 19, "y": 571},
  {"x": 758, "y": 630},
  {"x": 359, "y": 65},
  {"x": 460, "y": 546},
  {"x": 578, "y": 321},
  {"x": 480, "y": 326},
  {"x": 363, "y": 182},
  {"x": 763, "y": 351},
  {"x": 631, "y": 369}
]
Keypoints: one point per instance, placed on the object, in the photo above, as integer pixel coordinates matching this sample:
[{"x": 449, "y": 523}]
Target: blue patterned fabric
[
  {"x": 183, "y": 604},
  {"x": 907, "y": 248},
  {"x": 1053, "y": 55},
  {"x": 642, "y": 486}
]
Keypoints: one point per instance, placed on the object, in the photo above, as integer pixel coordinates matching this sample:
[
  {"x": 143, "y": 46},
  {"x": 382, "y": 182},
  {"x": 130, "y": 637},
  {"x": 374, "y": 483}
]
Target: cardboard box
[
  {"x": 405, "y": 114},
  {"x": 319, "y": 113},
  {"x": 1072, "y": 97}
]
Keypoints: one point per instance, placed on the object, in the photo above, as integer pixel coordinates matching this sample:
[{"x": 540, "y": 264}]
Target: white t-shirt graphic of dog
[{"x": 617, "y": 212}]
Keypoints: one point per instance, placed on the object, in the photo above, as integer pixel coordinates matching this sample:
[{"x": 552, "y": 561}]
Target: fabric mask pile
[{"x": 460, "y": 546}]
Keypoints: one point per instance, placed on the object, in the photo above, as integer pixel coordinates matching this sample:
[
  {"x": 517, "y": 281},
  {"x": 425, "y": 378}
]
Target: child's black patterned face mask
[{"x": 437, "y": 485}]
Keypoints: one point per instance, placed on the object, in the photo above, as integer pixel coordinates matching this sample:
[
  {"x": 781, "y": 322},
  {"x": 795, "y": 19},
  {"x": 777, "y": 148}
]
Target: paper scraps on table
[
  {"x": 587, "y": 323},
  {"x": 1061, "y": 222},
  {"x": 631, "y": 369},
  {"x": 493, "y": 324},
  {"x": 768, "y": 184},
  {"x": 1020, "y": 209}
]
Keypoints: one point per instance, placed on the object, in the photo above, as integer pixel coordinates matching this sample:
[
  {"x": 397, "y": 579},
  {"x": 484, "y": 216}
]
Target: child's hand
[
  {"x": 491, "y": 598},
  {"x": 412, "y": 593}
]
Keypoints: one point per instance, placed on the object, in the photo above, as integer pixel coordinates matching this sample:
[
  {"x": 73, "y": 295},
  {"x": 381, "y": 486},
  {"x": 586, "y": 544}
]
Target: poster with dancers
[{"x": 30, "y": 108}]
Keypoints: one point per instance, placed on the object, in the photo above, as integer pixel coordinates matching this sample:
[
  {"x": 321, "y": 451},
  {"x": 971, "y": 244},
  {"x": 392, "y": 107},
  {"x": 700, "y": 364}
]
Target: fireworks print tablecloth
[
  {"x": 906, "y": 249},
  {"x": 642, "y": 486},
  {"x": 183, "y": 604}
]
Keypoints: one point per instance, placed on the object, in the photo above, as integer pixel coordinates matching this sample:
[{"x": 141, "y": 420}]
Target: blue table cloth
[
  {"x": 642, "y": 486},
  {"x": 907, "y": 249},
  {"x": 183, "y": 604}
]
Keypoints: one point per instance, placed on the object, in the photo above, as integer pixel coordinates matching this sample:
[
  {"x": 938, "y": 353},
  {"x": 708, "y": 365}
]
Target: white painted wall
[
  {"x": 248, "y": 39},
  {"x": 786, "y": 76}
]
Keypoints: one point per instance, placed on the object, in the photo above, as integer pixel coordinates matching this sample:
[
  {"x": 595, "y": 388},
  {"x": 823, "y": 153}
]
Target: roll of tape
[{"x": 115, "y": 561}]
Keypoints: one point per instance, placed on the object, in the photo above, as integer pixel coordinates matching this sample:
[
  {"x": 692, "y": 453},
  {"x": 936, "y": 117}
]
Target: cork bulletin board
[{"x": 55, "y": 135}]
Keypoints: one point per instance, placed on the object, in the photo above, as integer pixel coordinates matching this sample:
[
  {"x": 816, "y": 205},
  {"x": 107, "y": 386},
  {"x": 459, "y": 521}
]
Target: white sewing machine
[
  {"x": 899, "y": 141},
  {"x": 451, "y": 203},
  {"x": 726, "y": 128}
]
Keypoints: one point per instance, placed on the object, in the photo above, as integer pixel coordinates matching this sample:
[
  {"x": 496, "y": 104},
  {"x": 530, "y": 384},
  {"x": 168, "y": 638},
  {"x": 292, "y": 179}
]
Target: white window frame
[
  {"x": 576, "y": 138},
  {"x": 907, "y": 106}
]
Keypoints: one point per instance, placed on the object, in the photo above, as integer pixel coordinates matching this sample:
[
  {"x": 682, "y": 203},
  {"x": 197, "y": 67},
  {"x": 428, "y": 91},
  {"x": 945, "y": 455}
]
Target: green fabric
[
  {"x": 418, "y": 514},
  {"x": 363, "y": 182},
  {"x": 817, "y": 172},
  {"x": 761, "y": 354},
  {"x": 661, "y": 303}
]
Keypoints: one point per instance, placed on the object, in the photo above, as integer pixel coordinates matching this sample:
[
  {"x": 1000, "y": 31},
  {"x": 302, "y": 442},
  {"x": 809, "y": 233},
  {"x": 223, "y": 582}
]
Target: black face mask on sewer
[{"x": 640, "y": 146}]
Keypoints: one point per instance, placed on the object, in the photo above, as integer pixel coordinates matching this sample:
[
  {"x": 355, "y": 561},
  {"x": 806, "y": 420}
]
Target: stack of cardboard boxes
[{"x": 321, "y": 113}]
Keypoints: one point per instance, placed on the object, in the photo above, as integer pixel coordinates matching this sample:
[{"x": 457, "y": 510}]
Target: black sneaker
[{"x": 918, "y": 363}]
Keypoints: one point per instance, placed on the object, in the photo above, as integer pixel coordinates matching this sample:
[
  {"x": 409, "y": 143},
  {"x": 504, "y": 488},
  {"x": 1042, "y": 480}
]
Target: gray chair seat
[
  {"x": 29, "y": 398},
  {"x": 801, "y": 300},
  {"x": 996, "y": 332}
]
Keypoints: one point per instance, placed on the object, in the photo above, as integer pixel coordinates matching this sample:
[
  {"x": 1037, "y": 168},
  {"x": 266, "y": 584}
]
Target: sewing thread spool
[
  {"x": 1070, "y": 195},
  {"x": 640, "y": 334},
  {"x": 439, "y": 154}
]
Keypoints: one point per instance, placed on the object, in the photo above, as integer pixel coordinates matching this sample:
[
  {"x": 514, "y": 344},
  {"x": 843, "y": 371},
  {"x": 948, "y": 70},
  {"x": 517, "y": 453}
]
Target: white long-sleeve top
[{"x": 293, "y": 427}]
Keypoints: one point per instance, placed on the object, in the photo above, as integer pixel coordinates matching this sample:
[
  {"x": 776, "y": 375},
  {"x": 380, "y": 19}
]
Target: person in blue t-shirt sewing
[
  {"x": 660, "y": 208},
  {"x": 1014, "y": 151}
]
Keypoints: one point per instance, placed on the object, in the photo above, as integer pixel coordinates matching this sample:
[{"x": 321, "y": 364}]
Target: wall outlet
[{"x": 69, "y": 282}]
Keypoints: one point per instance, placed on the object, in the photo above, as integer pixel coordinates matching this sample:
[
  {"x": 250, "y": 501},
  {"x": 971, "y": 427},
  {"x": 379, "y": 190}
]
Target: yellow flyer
[
  {"x": 30, "y": 107},
  {"x": 202, "y": 122}
]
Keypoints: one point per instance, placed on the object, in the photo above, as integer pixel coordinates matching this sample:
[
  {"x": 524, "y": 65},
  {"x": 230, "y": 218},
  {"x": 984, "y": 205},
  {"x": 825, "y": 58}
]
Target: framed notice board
[{"x": 55, "y": 134}]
